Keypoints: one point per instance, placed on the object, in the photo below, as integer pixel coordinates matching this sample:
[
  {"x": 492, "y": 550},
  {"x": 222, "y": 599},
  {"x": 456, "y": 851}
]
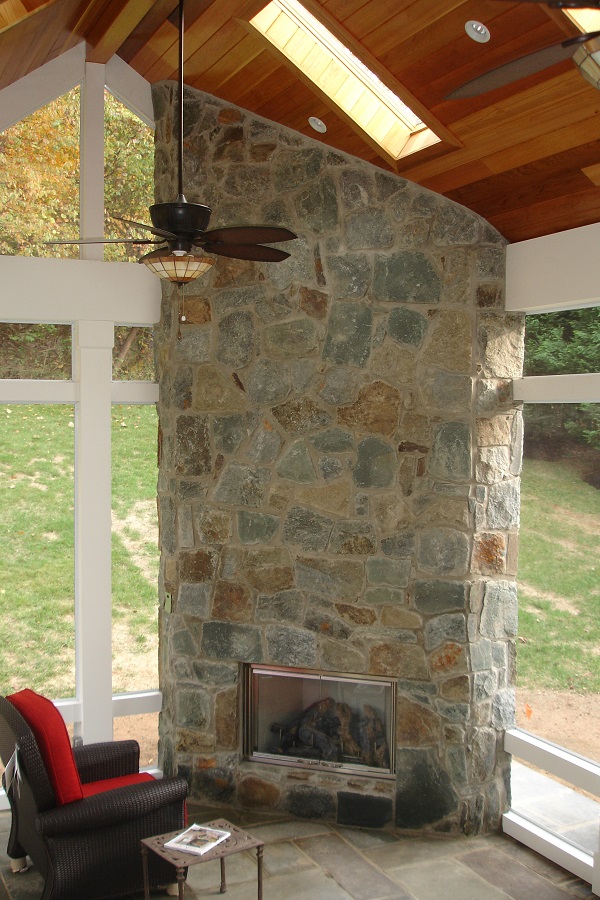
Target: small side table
[{"x": 237, "y": 841}]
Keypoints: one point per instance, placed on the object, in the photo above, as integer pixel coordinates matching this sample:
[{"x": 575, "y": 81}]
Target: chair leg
[{"x": 18, "y": 865}]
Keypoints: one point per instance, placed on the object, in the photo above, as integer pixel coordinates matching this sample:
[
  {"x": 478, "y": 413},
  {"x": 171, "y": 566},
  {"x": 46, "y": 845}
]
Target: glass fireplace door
[{"x": 310, "y": 718}]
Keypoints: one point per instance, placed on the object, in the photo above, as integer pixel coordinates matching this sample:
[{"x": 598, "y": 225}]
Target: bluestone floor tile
[
  {"x": 517, "y": 880},
  {"x": 443, "y": 879},
  {"x": 350, "y": 868}
]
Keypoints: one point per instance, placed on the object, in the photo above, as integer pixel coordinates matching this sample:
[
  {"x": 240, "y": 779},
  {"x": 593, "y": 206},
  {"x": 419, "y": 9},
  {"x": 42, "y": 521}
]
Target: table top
[{"x": 237, "y": 841}]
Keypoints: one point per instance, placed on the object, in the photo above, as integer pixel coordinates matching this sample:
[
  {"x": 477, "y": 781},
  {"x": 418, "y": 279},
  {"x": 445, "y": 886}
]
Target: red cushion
[
  {"x": 52, "y": 737},
  {"x": 109, "y": 784}
]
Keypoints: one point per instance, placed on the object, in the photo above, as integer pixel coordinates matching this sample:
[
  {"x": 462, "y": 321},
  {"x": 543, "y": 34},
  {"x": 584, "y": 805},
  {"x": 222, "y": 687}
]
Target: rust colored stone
[
  {"x": 229, "y": 115},
  {"x": 197, "y": 565},
  {"x": 359, "y": 615},
  {"x": 226, "y": 720},
  {"x": 375, "y": 411},
  {"x": 228, "y": 271},
  {"x": 197, "y": 310},
  {"x": 232, "y": 602},
  {"x": 489, "y": 554},
  {"x": 450, "y": 657},
  {"x": 314, "y": 303},
  {"x": 262, "y": 152},
  {"x": 257, "y": 793},
  {"x": 417, "y": 725}
]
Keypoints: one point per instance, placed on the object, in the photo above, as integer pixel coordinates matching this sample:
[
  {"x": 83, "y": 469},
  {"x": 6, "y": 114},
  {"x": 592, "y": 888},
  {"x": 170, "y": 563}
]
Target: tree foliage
[{"x": 39, "y": 185}]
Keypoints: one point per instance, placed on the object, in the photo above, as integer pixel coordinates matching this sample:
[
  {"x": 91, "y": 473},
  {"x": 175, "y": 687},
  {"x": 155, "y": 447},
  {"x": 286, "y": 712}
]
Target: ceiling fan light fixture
[
  {"x": 477, "y": 31},
  {"x": 587, "y": 60},
  {"x": 175, "y": 267}
]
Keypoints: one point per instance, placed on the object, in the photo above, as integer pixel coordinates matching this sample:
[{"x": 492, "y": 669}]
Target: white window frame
[
  {"x": 550, "y": 274},
  {"x": 94, "y": 297}
]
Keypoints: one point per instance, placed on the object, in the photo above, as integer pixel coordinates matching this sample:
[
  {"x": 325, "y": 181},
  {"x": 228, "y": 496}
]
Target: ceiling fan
[
  {"x": 580, "y": 49},
  {"x": 180, "y": 227}
]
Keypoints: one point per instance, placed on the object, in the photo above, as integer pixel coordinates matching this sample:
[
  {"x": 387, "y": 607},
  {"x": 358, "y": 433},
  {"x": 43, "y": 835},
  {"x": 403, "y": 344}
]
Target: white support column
[
  {"x": 91, "y": 183},
  {"x": 93, "y": 343}
]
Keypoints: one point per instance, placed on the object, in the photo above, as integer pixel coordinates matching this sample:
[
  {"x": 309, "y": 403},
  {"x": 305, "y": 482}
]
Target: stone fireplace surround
[{"x": 339, "y": 463}]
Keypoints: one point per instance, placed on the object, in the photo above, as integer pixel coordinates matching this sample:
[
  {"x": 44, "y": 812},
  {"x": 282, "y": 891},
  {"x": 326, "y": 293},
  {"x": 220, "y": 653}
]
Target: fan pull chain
[{"x": 181, "y": 308}]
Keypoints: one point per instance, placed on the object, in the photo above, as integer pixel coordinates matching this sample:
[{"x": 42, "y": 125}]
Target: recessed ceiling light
[
  {"x": 477, "y": 31},
  {"x": 317, "y": 124}
]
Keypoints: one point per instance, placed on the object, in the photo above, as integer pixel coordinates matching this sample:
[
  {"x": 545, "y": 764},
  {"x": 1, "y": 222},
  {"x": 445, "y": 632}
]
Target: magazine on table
[{"x": 197, "y": 839}]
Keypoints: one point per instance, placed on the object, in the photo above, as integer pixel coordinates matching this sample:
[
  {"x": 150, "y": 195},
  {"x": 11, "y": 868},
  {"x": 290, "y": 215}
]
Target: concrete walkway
[{"x": 314, "y": 861}]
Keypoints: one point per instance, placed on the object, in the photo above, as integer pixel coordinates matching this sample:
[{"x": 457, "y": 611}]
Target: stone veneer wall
[{"x": 339, "y": 469}]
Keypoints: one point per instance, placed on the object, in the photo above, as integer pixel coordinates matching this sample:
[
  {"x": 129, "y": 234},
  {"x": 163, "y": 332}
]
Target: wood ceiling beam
[{"x": 113, "y": 28}]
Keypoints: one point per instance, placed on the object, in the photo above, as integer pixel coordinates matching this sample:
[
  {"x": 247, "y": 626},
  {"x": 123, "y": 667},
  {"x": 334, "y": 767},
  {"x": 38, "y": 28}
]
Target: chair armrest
[
  {"x": 95, "y": 762},
  {"x": 112, "y": 807}
]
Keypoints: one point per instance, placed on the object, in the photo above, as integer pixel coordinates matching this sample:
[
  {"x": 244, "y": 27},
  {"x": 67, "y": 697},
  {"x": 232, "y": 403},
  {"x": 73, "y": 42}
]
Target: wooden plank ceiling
[{"x": 525, "y": 156}]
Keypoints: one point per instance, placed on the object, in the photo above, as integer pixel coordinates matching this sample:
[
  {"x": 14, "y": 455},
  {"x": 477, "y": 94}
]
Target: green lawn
[
  {"x": 559, "y": 588},
  {"x": 36, "y": 535},
  {"x": 559, "y": 584}
]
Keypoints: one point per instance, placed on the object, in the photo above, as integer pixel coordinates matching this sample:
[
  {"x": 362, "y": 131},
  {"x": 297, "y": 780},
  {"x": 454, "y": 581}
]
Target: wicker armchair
[{"x": 89, "y": 848}]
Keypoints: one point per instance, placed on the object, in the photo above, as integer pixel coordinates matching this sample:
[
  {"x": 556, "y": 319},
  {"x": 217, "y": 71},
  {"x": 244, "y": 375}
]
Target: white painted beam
[
  {"x": 577, "y": 770},
  {"x": 134, "y": 392},
  {"x": 558, "y": 271},
  {"x": 40, "y": 87},
  {"x": 91, "y": 168},
  {"x": 64, "y": 290},
  {"x": 130, "y": 88},
  {"x": 25, "y": 390},
  {"x": 558, "y": 389}
]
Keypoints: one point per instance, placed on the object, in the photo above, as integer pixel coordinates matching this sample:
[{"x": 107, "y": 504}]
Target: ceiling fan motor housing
[{"x": 181, "y": 218}]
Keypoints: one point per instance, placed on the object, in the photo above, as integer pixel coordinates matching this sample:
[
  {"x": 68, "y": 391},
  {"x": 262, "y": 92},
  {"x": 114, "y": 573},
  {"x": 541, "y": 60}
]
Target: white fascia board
[
  {"x": 130, "y": 88},
  {"x": 40, "y": 87},
  {"x": 67, "y": 290},
  {"x": 557, "y": 389},
  {"x": 134, "y": 393},
  {"x": 24, "y": 390},
  {"x": 555, "y": 272}
]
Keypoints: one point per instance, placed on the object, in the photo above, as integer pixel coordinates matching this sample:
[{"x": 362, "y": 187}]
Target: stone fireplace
[{"x": 339, "y": 474}]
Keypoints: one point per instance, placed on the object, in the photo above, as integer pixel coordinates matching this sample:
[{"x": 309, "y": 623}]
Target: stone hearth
[{"x": 339, "y": 473}]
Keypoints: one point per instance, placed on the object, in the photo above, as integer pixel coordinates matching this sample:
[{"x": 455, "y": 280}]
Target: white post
[
  {"x": 93, "y": 343},
  {"x": 91, "y": 179},
  {"x": 596, "y": 873}
]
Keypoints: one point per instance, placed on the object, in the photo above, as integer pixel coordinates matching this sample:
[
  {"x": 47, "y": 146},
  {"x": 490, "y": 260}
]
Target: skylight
[
  {"x": 341, "y": 78},
  {"x": 587, "y": 20}
]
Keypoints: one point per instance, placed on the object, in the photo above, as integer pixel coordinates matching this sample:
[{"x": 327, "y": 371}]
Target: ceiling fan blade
[
  {"x": 256, "y": 252},
  {"x": 104, "y": 241},
  {"x": 249, "y": 234},
  {"x": 158, "y": 231},
  {"x": 516, "y": 69}
]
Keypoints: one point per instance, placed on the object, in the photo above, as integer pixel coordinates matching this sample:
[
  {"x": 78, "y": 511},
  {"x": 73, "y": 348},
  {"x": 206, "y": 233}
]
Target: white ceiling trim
[
  {"x": 55, "y": 78},
  {"x": 68, "y": 290},
  {"x": 131, "y": 89},
  {"x": 558, "y": 271}
]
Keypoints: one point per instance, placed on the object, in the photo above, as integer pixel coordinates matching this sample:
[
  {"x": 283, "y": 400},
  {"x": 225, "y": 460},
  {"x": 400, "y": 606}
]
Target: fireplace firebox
[{"x": 307, "y": 718}]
